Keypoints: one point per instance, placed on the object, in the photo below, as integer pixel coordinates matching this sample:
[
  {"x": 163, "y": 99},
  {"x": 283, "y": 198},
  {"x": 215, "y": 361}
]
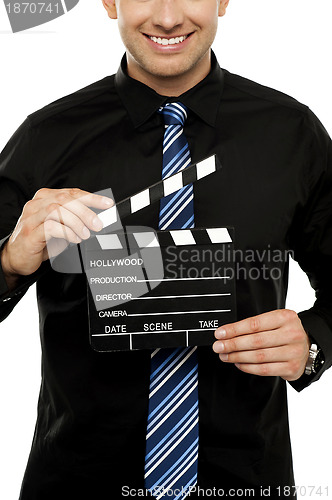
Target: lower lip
[{"x": 176, "y": 47}]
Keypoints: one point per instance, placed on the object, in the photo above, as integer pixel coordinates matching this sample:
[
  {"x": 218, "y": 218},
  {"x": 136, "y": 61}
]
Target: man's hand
[
  {"x": 48, "y": 223},
  {"x": 270, "y": 344}
]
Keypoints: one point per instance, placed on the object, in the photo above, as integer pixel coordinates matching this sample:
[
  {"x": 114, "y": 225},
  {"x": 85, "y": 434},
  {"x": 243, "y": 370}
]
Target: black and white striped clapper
[
  {"x": 151, "y": 289},
  {"x": 159, "y": 190}
]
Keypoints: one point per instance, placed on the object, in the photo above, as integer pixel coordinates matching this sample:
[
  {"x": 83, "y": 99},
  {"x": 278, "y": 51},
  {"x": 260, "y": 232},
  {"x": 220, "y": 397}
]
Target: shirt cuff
[
  {"x": 9, "y": 298},
  {"x": 3, "y": 283},
  {"x": 321, "y": 333},
  {"x": 4, "y": 291}
]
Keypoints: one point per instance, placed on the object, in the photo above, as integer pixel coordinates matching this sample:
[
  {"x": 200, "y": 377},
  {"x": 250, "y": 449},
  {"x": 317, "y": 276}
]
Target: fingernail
[
  {"x": 97, "y": 224},
  {"x": 85, "y": 232},
  {"x": 220, "y": 333},
  {"x": 223, "y": 357},
  {"x": 219, "y": 347},
  {"x": 108, "y": 202}
]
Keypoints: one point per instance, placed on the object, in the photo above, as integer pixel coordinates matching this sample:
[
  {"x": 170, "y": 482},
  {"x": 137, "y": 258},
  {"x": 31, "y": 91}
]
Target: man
[{"x": 274, "y": 189}]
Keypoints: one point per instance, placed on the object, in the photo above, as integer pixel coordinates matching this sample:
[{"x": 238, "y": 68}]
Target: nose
[{"x": 168, "y": 14}]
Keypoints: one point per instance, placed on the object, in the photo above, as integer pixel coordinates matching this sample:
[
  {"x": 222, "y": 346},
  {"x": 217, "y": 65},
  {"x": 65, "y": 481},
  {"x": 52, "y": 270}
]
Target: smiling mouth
[{"x": 168, "y": 41}]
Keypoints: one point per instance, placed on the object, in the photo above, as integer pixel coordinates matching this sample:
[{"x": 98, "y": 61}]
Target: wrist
[{"x": 315, "y": 359}]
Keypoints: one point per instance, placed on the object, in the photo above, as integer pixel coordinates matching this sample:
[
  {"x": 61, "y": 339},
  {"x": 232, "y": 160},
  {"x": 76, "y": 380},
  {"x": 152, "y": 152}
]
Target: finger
[
  {"x": 52, "y": 229},
  {"x": 70, "y": 220},
  {"x": 263, "y": 322},
  {"x": 262, "y": 340},
  {"x": 91, "y": 199},
  {"x": 261, "y": 356},
  {"x": 87, "y": 216},
  {"x": 68, "y": 194},
  {"x": 266, "y": 369}
]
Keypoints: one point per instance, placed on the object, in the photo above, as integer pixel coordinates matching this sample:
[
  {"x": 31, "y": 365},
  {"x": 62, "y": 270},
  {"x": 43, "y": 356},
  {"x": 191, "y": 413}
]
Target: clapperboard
[{"x": 150, "y": 289}]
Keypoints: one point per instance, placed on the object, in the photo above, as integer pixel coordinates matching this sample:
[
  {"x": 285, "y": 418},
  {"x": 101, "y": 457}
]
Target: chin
[{"x": 169, "y": 70}]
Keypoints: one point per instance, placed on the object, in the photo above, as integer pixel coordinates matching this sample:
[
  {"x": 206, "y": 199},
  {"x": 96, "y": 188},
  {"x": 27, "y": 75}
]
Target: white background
[{"x": 285, "y": 45}]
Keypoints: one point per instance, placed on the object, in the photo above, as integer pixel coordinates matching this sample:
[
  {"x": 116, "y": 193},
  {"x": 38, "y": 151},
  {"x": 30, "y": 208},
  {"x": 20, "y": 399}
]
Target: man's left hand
[{"x": 270, "y": 344}]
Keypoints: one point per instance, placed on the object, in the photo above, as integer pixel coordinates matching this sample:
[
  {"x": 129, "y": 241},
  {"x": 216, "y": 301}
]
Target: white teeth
[{"x": 168, "y": 41}]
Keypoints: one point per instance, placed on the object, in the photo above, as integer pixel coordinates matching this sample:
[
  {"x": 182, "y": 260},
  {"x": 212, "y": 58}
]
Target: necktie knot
[{"x": 174, "y": 113}]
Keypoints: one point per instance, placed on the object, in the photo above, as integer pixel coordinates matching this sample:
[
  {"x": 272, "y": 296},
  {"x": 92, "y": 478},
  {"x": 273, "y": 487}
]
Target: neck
[{"x": 170, "y": 86}]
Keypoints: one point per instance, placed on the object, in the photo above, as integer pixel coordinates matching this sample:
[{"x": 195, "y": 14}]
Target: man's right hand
[{"x": 48, "y": 223}]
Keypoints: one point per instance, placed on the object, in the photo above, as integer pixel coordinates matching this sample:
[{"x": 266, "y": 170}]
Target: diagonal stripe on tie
[
  {"x": 173, "y": 200},
  {"x": 167, "y": 418},
  {"x": 188, "y": 453},
  {"x": 175, "y": 205},
  {"x": 171, "y": 437},
  {"x": 172, "y": 427},
  {"x": 166, "y": 370}
]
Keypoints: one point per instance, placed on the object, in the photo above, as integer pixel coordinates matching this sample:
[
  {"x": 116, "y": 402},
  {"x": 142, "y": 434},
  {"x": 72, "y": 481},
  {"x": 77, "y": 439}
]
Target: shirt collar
[{"x": 142, "y": 102}]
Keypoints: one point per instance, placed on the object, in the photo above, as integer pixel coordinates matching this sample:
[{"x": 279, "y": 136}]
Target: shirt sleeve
[
  {"x": 311, "y": 240},
  {"x": 15, "y": 191}
]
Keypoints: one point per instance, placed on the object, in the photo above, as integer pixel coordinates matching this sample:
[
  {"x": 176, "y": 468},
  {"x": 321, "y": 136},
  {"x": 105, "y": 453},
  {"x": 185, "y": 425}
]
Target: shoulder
[
  {"x": 250, "y": 98},
  {"x": 249, "y": 90},
  {"x": 77, "y": 102},
  {"x": 49, "y": 136}
]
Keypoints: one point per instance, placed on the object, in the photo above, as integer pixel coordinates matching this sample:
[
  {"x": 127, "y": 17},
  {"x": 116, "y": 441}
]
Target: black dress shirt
[{"x": 274, "y": 188}]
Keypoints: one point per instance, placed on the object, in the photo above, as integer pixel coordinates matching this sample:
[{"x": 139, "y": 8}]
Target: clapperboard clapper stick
[{"x": 157, "y": 191}]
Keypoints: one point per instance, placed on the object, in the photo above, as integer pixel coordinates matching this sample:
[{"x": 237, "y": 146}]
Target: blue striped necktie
[{"x": 172, "y": 431}]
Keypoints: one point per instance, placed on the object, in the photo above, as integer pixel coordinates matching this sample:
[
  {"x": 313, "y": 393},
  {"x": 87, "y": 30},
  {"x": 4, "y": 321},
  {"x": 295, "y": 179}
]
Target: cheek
[
  {"x": 127, "y": 21},
  {"x": 206, "y": 18},
  {"x": 132, "y": 14}
]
